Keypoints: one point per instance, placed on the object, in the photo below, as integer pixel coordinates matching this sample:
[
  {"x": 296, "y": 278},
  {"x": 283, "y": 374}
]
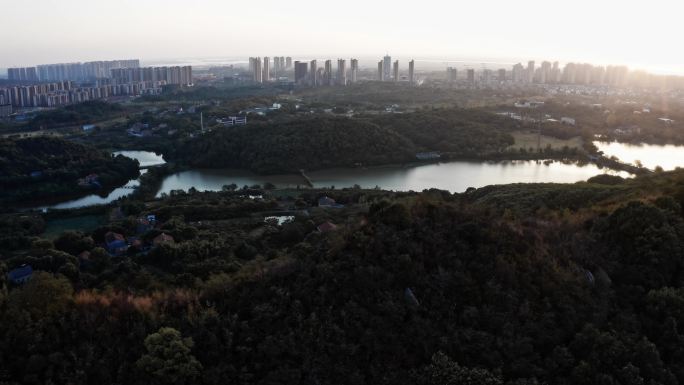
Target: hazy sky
[{"x": 644, "y": 34}]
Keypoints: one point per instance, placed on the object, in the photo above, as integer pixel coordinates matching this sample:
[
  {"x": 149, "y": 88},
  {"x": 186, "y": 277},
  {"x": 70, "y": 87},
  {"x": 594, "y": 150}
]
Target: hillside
[
  {"x": 302, "y": 144},
  {"x": 577, "y": 284},
  {"x": 325, "y": 142},
  {"x": 43, "y": 167}
]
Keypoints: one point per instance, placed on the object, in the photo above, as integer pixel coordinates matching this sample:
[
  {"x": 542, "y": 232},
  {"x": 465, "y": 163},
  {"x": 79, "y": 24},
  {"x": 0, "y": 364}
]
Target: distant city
[
  {"x": 53, "y": 85},
  {"x": 309, "y": 73}
]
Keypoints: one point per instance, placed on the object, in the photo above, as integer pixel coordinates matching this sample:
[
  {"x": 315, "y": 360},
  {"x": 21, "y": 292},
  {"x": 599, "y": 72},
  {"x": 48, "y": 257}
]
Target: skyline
[{"x": 610, "y": 32}]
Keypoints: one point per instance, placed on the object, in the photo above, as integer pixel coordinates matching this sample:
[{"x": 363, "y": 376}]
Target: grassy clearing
[{"x": 83, "y": 223}]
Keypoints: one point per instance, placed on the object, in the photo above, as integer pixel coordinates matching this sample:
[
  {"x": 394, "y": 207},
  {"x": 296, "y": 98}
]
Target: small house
[
  {"x": 568, "y": 121},
  {"x": 327, "y": 202},
  {"x": 145, "y": 223},
  {"x": 84, "y": 261},
  {"x": 116, "y": 243},
  {"x": 326, "y": 227},
  {"x": 20, "y": 275}
]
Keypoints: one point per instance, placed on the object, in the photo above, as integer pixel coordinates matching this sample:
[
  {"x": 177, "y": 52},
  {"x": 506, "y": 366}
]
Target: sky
[{"x": 641, "y": 34}]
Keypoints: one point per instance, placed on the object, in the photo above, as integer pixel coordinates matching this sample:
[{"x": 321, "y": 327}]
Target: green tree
[
  {"x": 43, "y": 296},
  {"x": 443, "y": 371},
  {"x": 168, "y": 359}
]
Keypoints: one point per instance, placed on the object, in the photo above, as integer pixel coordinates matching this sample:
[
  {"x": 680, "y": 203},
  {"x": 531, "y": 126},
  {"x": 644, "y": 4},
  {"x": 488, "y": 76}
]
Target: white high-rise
[{"x": 387, "y": 67}]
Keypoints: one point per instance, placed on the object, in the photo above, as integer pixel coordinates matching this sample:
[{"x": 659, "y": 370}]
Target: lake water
[
  {"x": 145, "y": 158},
  {"x": 666, "y": 156},
  {"x": 95, "y": 199},
  {"x": 451, "y": 176}
]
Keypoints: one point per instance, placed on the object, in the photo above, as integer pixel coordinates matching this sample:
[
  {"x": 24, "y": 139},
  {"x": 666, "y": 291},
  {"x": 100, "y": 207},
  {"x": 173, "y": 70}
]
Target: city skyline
[{"x": 604, "y": 33}]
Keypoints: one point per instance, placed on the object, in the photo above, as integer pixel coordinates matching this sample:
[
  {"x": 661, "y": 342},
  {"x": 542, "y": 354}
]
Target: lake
[
  {"x": 666, "y": 156},
  {"x": 452, "y": 176},
  {"x": 145, "y": 158}
]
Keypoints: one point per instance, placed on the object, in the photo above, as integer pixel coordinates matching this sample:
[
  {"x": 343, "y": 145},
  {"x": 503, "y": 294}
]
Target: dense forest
[
  {"x": 44, "y": 167},
  {"x": 323, "y": 142},
  {"x": 302, "y": 144},
  {"x": 517, "y": 284},
  {"x": 467, "y": 133}
]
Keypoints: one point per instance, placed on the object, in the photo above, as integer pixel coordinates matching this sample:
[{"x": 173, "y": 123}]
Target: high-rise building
[
  {"x": 320, "y": 74},
  {"x": 412, "y": 69},
  {"x": 354, "y": 71},
  {"x": 267, "y": 69},
  {"x": 452, "y": 74},
  {"x": 313, "y": 74},
  {"x": 288, "y": 62},
  {"x": 555, "y": 73},
  {"x": 301, "y": 70},
  {"x": 569, "y": 72},
  {"x": 381, "y": 72},
  {"x": 530, "y": 71},
  {"x": 276, "y": 68},
  {"x": 387, "y": 67},
  {"x": 395, "y": 71},
  {"x": 502, "y": 75},
  {"x": 87, "y": 71},
  {"x": 598, "y": 75},
  {"x": 545, "y": 73},
  {"x": 168, "y": 75},
  {"x": 518, "y": 73},
  {"x": 328, "y": 73},
  {"x": 256, "y": 69},
  {"x": 342, "y": 72},
  {"x": 486, "y": 76},
  {"x": 471, "y": 75}
]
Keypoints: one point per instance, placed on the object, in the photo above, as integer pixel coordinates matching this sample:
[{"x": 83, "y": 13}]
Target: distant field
[
  {"x": 527, "y": 139},
  {"x": 83, "y": 223}
]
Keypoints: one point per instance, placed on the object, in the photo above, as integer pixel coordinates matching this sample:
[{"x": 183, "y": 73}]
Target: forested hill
[
  {"x": 40, "y": 167},
  {"x": 323, "y": 142},
  {"x": 579, "y": 284},
  {"x": 302, "y": 144},
  {"x": 465, "y": 133}
]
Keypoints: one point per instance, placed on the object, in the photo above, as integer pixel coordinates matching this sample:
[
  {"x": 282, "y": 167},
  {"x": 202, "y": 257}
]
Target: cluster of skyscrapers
[
  {"x": 312, "y": 73},
  {"x": 67, "y": 92},
  {"x": 61, "y": 84},
  {"x": 176, "y": 75},
  {"x": 572, "y": 73},
  {"x": 389, "y": 71},
  {"x": 309, "y": 73},
  {"x": 68, "y": 71},
  {"x": 547, "y": 73},
  {"x": 262, "y": 71}
]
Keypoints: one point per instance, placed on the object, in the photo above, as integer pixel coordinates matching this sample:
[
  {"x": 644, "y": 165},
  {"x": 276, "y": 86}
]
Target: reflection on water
[
  {"x": 280, "y": 219},
  {"x": 95, "y": 199},
  {"x": 452, "y": 176},
  {"x": 214, "y": 180},
  {"x": 146, "y": 158},
  {"x": 666, "y": 156}
]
